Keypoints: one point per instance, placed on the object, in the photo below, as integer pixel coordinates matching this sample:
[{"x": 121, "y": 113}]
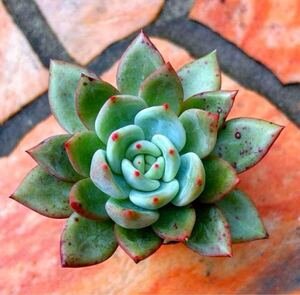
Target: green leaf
[
  {"x": 201, "y": 129},
  {"x": 139, "y": 60},
  {"x": 137, "y": 243},
  {"x": 90, "y": 96},
  {"x": 161, "y": 120},
  {"x": 201, "y": 75},
  {"x": 88, "y": 201},
  {"x": 86, "y": 242},
  {"x": 163, "y": 86},
  {"x": 156, "y": 198},
  {"x": 44, "y": 194},
  {"x": 143, "y": 147},
  {"x": 139, "y": 163},
  {"x": 62, "y": 86},
  {"x": 218, "y": 102},
  {"x": 156, "y": 171},
  {"x": 242, "y": 216},
  {"x": 119, "y": 111},
  {"x": 243, "y": 142},
  {"x": 81, "y": 148},
  {"x": 210, "y": 235},
  {"x": 111, "y": 184},
  {"x": 221, "y": 178},
  {"x": 175, "y": 224},
  {"x": 50, "y": 154},
  {"x": 128, "y": 215},
  {"x": 191, "y": 178}
]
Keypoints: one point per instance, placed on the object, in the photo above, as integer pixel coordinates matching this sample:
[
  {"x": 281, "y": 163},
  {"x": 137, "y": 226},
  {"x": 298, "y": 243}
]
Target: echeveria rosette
[{"x": 152, "y": 161}]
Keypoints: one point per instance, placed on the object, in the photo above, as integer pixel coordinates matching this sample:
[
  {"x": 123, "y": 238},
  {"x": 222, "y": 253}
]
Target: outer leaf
[
  {"x": 161, "y": 120},
  {"x": 128, "y": 215},
  {"x": 88, "y": 201},
  {"x": 191, "y": 178},
  {"x": 201, "y": 75},
  {"x": 52, "y": 157},
  {"x": 137, "y": 243},
  {"x": 221, "y": 178},
  {"x": 218, "y": 102},
  {"x": 210, "y": 235},
  {"x": 86, "y": 242},
  {"x": 244, "y": 141},
  {"x": 109, "y": 183},
  {"x": 44, "y": 194},
  {"x": 119, "y": 111},
  {"x": 163, "y": 86},
  {"x": 175, "y": 224},
  {"x": 90, "y": 96},
  {"x": 243, "y": 218},
  {"x": 201, "y": 129},
  {"x": 80, "y": 149},
  {"x": 139, "y": 60},
  {"x": 62, "y": 86}
]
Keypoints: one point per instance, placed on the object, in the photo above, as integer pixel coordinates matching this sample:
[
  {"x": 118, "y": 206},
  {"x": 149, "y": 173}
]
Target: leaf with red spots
[
  {"x": 88, "y": 201},
  {"x": 119, "y": 111},
  {"x": 52, "y": 157},
  {"x": 44, "y": 194},
  {"x": 175, "y": 223},
  {"x": 137, "y": 243},
  {"x": 201, "y": 75},
  {"x": 210, "y": 235},
  {"x": 81, "y": 148},
  {"x": 86, "y": 242},
  {"x": 139, "y": 60},
  {"x": 163, "y": 87},
  {"x": 63, "y": 82},
  {"x": 243, "y": 142},
  {"x": 90, "y": 96},
  {"x": 221, "y": 178},
  {"x": 242, "y": 216},
  {"x": 218, "y": 102}
]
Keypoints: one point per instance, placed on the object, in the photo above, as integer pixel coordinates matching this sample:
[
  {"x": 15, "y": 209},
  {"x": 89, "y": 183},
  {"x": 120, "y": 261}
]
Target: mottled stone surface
[
  {"x": 30, "y": 243},
  {"x": 86, "y": 28},
  {"x": 267, "y": 30},
  {"x": 22, "y": 75}
]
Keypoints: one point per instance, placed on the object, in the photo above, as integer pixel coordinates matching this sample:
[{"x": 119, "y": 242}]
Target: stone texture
[
  {"x": 262, "y": 267},
  {"x": 267, "y": 30},
  {"x": 86, "y": 28},
  {"x": 22, "y": 75}
]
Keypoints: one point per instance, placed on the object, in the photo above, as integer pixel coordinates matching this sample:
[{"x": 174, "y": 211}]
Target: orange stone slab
[
  {"x": 22, "y": 75},
  {"x": 86, "y": 28},
  {"x": 29, "y": 259},
  {"x": 267, "y": 30}
]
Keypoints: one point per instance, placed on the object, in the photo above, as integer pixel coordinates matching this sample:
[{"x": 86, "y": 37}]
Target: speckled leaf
[
  {"x": 52, "y": 157},
  {"x": 218, "y": 102},
  {"x": 163, "y": 86},
  {"x": 210, "y": 235},
  {"x": 201, "y": 75},
  {"x": 88, "y": 201},
  {"x": 243, "y": 142},
  {"x": 44, "y": 194},
  {"x": 86, "y": 242},
  {"x": 175, "y": 224},
  {"x": 119, "y": 111},
  {"x": 221, "y": 178},
  {"x": 81, "y": 148},
  {"x": 90, "y": 96},
  {"x": 139, "y": 60},
  {"x": 242, "y": 216},
  {"x": 191, "y": 178},
  {"x": 137, "y": 243},
  {"x": 62, "y": 86},
  {"x": 201, "y": 129},
  {"x": 128, "y": 215}
]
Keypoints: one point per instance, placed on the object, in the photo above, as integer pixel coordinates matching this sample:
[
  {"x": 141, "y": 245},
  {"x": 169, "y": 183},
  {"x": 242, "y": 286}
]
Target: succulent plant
[{"x": 151, "y": 162}]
